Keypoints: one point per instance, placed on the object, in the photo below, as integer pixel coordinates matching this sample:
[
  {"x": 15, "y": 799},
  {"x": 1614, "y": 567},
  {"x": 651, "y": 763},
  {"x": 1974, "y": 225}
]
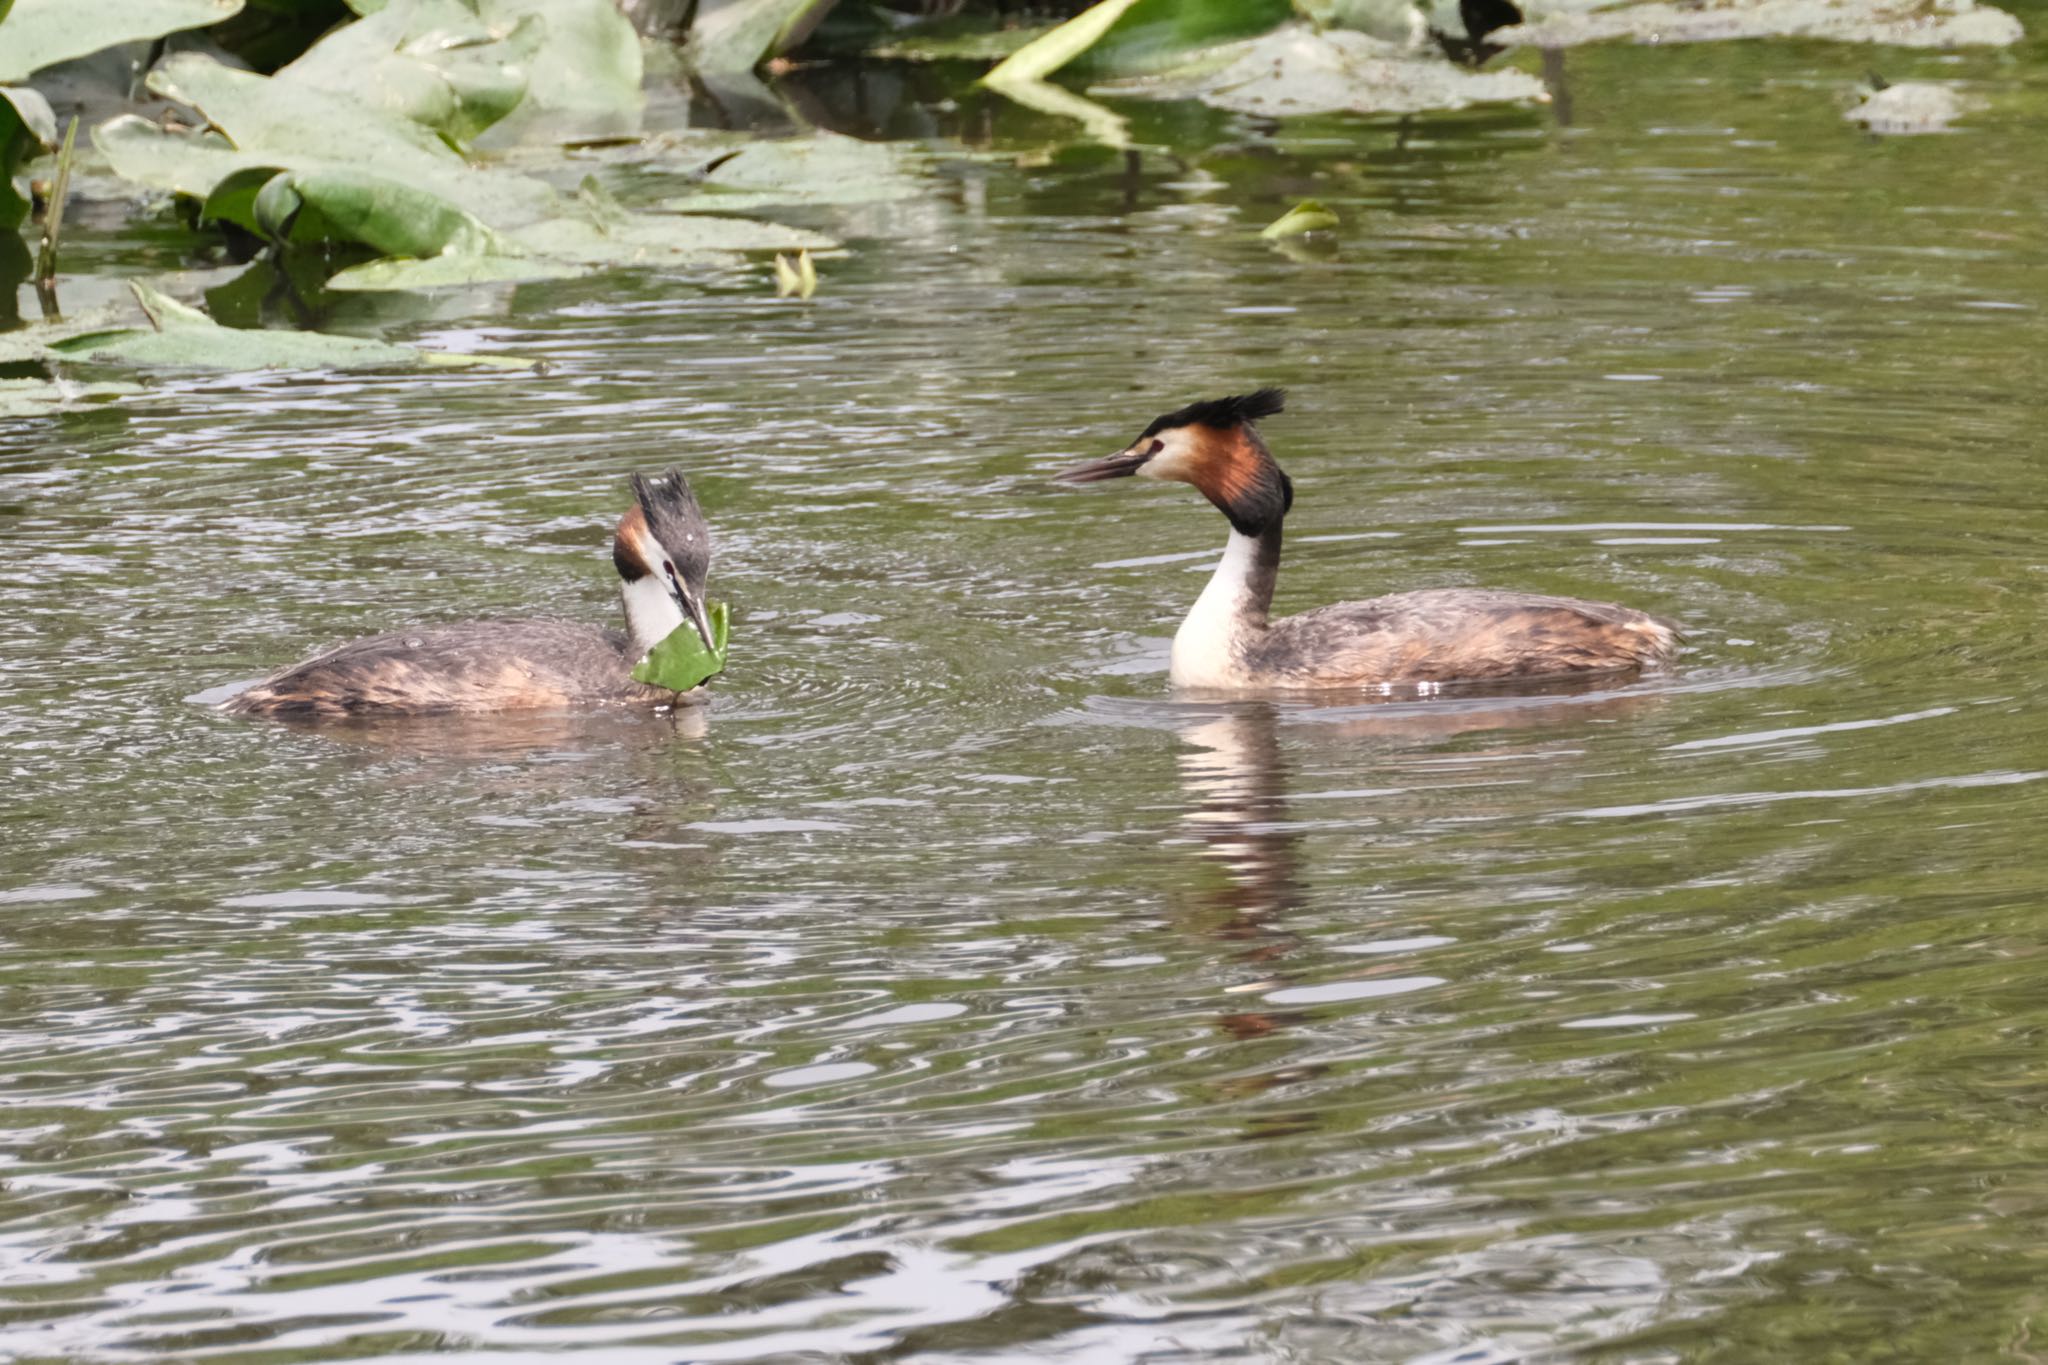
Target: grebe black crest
[
  {"x": 662, "y": 551},
  {"x": 1439, "y": 635}
]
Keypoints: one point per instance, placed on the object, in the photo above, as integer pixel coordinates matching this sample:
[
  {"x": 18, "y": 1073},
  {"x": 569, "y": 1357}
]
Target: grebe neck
[
  {"x": 651, "y": 613},
  {"x": 1231, "y": 613}
]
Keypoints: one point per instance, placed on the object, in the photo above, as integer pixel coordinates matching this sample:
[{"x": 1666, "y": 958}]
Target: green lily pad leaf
[
  {"x": 585, "y": 84},
  {"x": 41, "y": 397},
  {"x": 434, "y": 62},
  {"x": 1295, "y": 70},
  {"x": 140, "y": 151},
  {"x": 42, "y": 33},
  {"x": 182, "y": 336},
  {"x": 1307, "y": 216},
  {"x": 1909, "y": 107},
  {"x": 451, "y": 272},
  {"x": 680, "y": 662},
  {"x": 164, "y": 312},
  {"x": 1895, "y": 23},
  {"x": 387, "y": 215},
  {"x": 1042, "y": 56},
  {"x": 233, "y": 200},
  {"x": 825, "y": 168},
  {"x": 27, "y": 128},
  {"x": 269, "y": 123},
  {"x": 649, "y": 239},
  {"x": 739, "y": 36},
  {"x": 300, "y": 124}
]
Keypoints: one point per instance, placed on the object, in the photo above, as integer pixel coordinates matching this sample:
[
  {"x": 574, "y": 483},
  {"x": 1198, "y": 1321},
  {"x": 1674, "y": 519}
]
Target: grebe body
[
  {"x": 1229, "y": 640},
  {"x": 662, "y": 551}
]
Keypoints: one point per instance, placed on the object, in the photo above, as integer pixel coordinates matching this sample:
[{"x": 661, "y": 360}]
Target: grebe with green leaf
[{"x": 674, "y": 640}]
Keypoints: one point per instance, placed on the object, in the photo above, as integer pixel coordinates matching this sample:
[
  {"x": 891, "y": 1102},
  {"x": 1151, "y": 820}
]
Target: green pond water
[{"x": 952, "y": 991}]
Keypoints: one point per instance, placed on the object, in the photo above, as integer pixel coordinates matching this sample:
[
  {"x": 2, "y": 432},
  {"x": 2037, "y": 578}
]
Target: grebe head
[
  {"x": 663, "y": 554},
  {"x": 1216, "y": 447}
]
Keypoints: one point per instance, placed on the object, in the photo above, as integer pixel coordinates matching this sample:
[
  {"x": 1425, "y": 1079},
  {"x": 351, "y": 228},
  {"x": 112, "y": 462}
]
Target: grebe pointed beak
[
  {"x": 693, "y": 611},
  {"x": 1121, "y": 465}
]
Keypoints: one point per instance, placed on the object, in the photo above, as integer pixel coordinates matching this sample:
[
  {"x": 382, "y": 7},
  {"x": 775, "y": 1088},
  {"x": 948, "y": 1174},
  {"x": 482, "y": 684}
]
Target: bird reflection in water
[{"x": 1235, "y": 774}]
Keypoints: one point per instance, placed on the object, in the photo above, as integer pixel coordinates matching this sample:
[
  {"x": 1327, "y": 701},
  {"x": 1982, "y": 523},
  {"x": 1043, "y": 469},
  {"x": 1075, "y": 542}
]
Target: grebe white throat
[
  {"x": 1209, "y": 647},
  {"x": 651, "y": 612}
]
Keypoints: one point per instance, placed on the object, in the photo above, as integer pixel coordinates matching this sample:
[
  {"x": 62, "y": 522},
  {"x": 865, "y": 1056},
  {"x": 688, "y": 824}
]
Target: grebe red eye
[
  {"x": 668, "y": 568},
  {"x": 1157, "y": 446}
]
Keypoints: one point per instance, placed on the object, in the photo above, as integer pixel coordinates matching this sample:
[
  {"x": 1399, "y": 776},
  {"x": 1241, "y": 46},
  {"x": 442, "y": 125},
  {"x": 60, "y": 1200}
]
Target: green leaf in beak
[
  {"x": 1307, "y": 216},
  {"x": 681, "y": 661}
]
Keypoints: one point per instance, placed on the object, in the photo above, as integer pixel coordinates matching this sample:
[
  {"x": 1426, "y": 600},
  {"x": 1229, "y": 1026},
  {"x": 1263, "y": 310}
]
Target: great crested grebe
[
  {"x": 662, "y": 551},
  {"x": 1437, "y": 635}
]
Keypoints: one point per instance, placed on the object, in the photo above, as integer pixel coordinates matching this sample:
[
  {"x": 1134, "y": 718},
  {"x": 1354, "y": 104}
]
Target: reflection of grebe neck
[{"x": 1233, "y": 775}]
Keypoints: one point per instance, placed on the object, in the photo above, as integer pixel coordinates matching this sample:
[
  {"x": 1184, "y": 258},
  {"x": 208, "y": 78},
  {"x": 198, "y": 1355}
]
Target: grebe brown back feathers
[
  {"x": 1434, "y": 636},
  {"x": 662, "y": 550}
]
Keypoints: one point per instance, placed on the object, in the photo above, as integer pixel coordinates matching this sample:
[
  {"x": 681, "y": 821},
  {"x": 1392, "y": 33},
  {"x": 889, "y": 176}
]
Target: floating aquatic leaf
[
  {"x": 742, "y": 34},
  {"x": 1897, "y": 23},
  {"x": 824, "y": 168},
  {"x": 1296, "y": 70},
  {"x": 40, "y": 33},
  {"x": 680, "y": 662},
  {"x": 41, "y": 397},
  {"x": 180, "y": 335},
  {"x": 435, "y": 62},
  {"x": 451, "y": 272},
  {"x": 585, "y": 83},
  {"x": 656, "y": 239},
  {"x": 145, "y": 153},
  {"x": 387, "y": 215},
  {"x": 1041, "y": 57},
  {"x": 1391, "y": 21},
  {"x": 1908, "y": 107},
  {"x": 27, "y": 127},
  {"x": 1307, "y": 216}
]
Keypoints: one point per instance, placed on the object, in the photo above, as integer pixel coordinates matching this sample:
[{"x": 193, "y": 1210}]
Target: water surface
[{"x": 952, "y": 991}]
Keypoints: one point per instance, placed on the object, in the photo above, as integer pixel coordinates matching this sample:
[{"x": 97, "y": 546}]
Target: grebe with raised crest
[
  {"x": 662, "y": 551},
  {"x": 1437, "y": 635}
]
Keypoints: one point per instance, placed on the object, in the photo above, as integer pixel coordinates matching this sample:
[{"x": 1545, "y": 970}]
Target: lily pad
[
  {"x": 824, "y": 168},
  {"x": 451, "y": 272},
  {"x": 742, "y": 34},
  {"x": 182, "y": 336},
  {"x": 681, "y": 662},
  {"x": 1909, "y": 107},
  {"x": 434, "y": 62},
  {"x": 41, "y": 33},
  {"x": 1306, "y": 217},
  {"x": 1296, "y": 70},
  {"x": 1896, "y": 23},
  {"x": 27, "y": 127},
  {"x": 584, "y": 84},
  {"x": 388, "y": 215},
  {"x": 41, "y": 397}
]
